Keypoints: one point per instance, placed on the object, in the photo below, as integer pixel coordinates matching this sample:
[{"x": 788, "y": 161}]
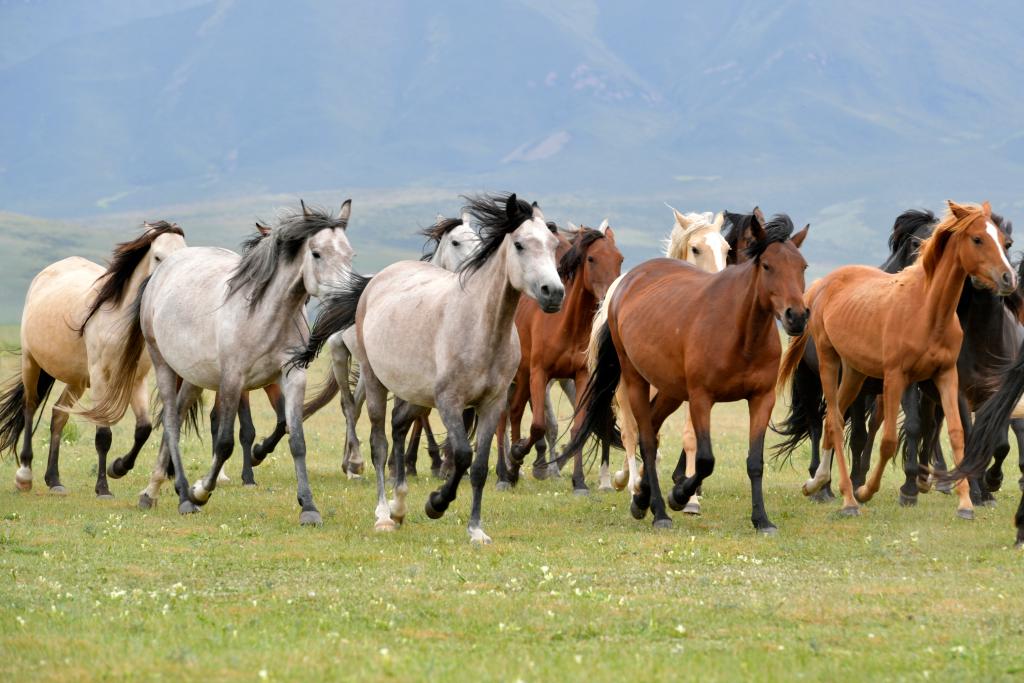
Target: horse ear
[
  {"x": 305, "y": 211},
  {"x": 987, "y": 208},
  {"x": 512, "y": 206},
  {"x": 719, "y": 221},
  {"x": 957, "y": 210},
  {"x": 681, "y": 219},
  {"x": 759, "y": 215},
  {"x": 346, "y": 211},
  {"x": 465, "y": 219},
  {"x": 603, "y": 227},
  {"x": 798, "y": 239},
  {"x": 609, "y": 234},
  {"x": 573, "y": 227},
  {"x": 538, "y": 214},
  {"x": 757, "y": 224},
  {"x": 262, "y": 229}
]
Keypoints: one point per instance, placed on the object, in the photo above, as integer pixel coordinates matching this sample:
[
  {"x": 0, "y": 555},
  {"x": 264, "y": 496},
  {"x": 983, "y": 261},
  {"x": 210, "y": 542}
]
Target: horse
[
  {"x": 554, "y": 346},
  {"x": 70, "y": 332},
  {"x": 806, "y": 405},
  {"x": 450, "y": 241},
  {"x": 901, "y": 329},
  {"x": 738, "y": 234},
  {"x": 212, "y": 319},
  {"x": 443, "y": 340},
  {"x": 695, "y": 238},
  {"x": 702, "y": 337}
]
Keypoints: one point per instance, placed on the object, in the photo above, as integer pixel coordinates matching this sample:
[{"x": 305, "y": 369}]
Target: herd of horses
[{"x": 504, "y": 305}]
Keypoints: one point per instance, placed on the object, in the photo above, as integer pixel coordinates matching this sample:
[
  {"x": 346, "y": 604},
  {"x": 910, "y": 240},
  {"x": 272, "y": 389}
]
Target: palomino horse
[
  {"x": 450, "y": 241},
  {"x": 660, "y": 320},
  {"x": 554, "y": 346},
  {"x": 446, "y": 340},
  {"x": 697, "y": 239},
  {"x": 70, "y": 332},
  {"x": 901, "y": 329},
  {"x": 212, "y": 319},
  {"x": 806, "y": 415}
]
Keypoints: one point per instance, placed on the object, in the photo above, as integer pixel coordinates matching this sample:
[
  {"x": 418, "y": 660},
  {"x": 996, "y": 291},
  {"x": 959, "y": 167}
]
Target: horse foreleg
[
  {"x": 913, "y": 412},
  {"x": 246, "y": 438},
  {"x": 453, "y": 415},
  {"x": 143, "y": 429},
  {"x": 487, "y": 421},
  {"x": 947, "y": 383},
  {"x": 760, "y": 409},
  {"x": 294, "y": 388},
  {"x": 895, "y": 385}
]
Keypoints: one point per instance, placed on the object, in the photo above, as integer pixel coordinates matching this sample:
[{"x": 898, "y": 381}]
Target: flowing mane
[
  {"x": 736, "y": 225},
  {"x": 571, "y": 260},
  {"x": 259, "y": 264},
  {"x": 491, "y": 213},
  {"x": 125, "y": 259},
  {"x": 676, "y": 242},
  {"x": 435, "y": 234},
  {"x": 933, "y": 247},
  {"x": 778, "y": 229}
]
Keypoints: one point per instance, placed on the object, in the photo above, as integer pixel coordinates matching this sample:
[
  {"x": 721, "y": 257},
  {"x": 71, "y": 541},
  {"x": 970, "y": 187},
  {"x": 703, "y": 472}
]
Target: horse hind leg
[
  {"x": 58, "y": 418},
  {"x": 143, "y": 429},
  {"x": 914, "y": 407},
  {"x": 35, "y": 384},
  {"x": 261, "y": 450},
  {"x": 403, "y": 417}
]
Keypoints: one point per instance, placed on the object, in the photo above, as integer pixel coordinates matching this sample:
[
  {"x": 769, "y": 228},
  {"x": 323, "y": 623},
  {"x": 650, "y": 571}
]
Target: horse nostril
[{"x": 545, "y": 290}]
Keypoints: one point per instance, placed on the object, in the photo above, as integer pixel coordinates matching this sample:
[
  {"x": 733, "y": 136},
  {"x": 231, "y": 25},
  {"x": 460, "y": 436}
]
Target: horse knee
[
  {"x": 142, "y": 433},
  {"x": 463, "y": 456},
  {"x": 888, "y": 446},
  {"x": 478, "y": 474},
  {"x": 223, "y": 447},
  {"x": 705, "y": 464},
  {"x": 755, "y": 467},
  {"x": 104, "y": 438}
]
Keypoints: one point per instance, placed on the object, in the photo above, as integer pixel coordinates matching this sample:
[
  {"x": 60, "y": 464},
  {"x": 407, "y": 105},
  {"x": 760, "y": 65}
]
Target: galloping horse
[
  {"x": 554, "y": 346},
  {"x": 901, "y": 329},
  {"x": 70, "y": 332},
  {"x": 213, "y": 319},
  {"x": 446, "y": 340},
  {"x": 662, "y": 319},
  {"x": 696, "y": 238}
]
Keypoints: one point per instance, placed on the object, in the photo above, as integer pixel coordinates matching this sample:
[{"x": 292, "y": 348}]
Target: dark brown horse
[
  {"x": 698, "y": 337},
  {"x": 554, "y": 346}
]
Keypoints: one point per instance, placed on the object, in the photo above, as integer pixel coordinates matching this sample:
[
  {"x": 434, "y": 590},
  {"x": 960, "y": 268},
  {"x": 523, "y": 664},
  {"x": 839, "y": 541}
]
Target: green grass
[{"x": 572, "y": 588}]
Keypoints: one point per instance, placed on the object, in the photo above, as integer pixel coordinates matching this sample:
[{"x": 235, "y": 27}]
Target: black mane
[
  {"x": 778, "y": 229},
  {"x": 573, "y": 259},
  {"x": 249, "y": 243},
  {"x": 736, "y": 225},
  {"x": 126, "y": 258},
  {"x": 908, "y": 231},
  {"x": 498, "y": 215},
  {"x": 435, "y": 234},
  {"x": 259, "y": 265}
]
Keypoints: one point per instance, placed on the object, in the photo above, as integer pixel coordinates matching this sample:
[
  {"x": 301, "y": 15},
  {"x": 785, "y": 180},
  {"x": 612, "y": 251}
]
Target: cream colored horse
[
  {"x": 71, "y": 332},
  {"x": 696, "y": 238}
]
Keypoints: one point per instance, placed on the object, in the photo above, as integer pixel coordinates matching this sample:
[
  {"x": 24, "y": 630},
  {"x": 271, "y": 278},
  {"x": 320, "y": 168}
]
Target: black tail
[
  {"x": 596, "y": 401},
  {"x": 12, "y": 410},
  {"x": 191, "y": 423},
  {"x": 991, "y": 422},
  {"x": 337, "y": 313},
  {"x": 806, "y": 404}
]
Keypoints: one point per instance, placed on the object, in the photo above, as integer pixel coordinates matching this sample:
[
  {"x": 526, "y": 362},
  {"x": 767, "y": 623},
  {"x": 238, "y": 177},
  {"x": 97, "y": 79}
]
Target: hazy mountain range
[{"x": 216, "y": 113}]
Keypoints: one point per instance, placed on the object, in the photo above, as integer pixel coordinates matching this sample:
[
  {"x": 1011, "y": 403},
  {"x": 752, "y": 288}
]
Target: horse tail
[
  {"x": 338, "y": 313},
  {"x": 792, "y": 357},
  {"x": 12, "y": 410},
  {"x": 990, "y": 423},
  {"x": 110, "y": 408},
  {"x": 191, "y": 422},
  {"x": 328, "y": 390},
  {"x": 600, "y": 318},
  {"x": 806, "y": 404},
  {"x": 596, "y": 399}
]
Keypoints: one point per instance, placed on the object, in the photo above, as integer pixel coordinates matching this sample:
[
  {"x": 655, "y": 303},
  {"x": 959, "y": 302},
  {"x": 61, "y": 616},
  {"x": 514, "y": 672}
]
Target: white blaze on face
[{"x": 990, "y": 228}]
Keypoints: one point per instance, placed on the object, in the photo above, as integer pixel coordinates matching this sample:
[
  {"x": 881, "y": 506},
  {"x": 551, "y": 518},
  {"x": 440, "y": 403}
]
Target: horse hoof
[
  {"x": 258, "y": 456},
  {"x": 434, "y": 509},
  {"x": 603, "y": 488},
  {"x": 770, "y": 530},
  {"x": 187, "y": 507},
  {"x": 965, "y": 513},
  {"x": 672, "y": 502},
  {"x": 945, "y": 487},
  {"x": 810, "y": 487},
  {"x": 620, "y": 480},
  {"x": 823, "y": 495},
  {"x": 1019, "y": 545},
  {"x": 554, "y": 472},
  {"x": 637, "y": 511},
  {"x": 503, "y": 486},
  {"x": 581, "y": 491},
  {"x": 116, "y": 469},
  {"x": 541, "y": 473},
  {"x": 861, "y": 494},
  {"x": 692, "y": 508},
  {"x": 105, "y": 496},
  {"x": 907, "y": 501},
  {"x": 989, "y": 502},
  {"x": 249, "y": 484},
  {"x": 146, "y": 503},
  {"x": 23, "y": 479},
  {"x": 58, "y": 490},
  {"x": 664, "y": 523},
  {"x": 850, "y": 511},
  {"x": 385, "y": 525},
  {"x": 197, "y": 494},
  {"x": 478, "y": 537},
  {"x": 310, "y": 518}
]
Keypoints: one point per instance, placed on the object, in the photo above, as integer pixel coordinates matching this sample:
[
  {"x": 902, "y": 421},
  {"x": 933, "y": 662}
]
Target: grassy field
[{"x": 572, "y": 588}]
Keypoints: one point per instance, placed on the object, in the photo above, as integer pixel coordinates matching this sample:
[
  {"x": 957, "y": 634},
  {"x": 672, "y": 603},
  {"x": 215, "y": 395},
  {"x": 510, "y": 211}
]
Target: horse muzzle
[
  {"x": 549, "y": 297},
  {"x": 794, "y": 322}
]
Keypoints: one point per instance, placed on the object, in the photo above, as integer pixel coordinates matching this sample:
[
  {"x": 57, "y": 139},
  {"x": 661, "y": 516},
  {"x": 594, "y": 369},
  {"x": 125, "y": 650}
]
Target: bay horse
[
  {"x": 806, "y": 415},
  {"x": 554, "y": 346},
  {"x": 70, "y": 332},
  {"x": 212, "y": 319},
  {"x": 901, "y": 329},
  {"x": 700, "y": 337},
  {"x": 697, "y": 239},
  {"x": 443, "y": 340}
]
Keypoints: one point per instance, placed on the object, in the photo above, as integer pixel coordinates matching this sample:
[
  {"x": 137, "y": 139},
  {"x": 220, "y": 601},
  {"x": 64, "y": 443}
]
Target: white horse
[
  {"x": 695, "y": 238},
  {"x": 447, "y": 341},
  {"x": 212, "y": 319},
  {"x": 71, "y": 333}
]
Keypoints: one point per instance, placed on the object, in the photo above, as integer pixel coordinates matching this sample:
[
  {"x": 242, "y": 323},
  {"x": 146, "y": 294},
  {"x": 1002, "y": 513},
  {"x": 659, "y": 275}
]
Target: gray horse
[
  {"x": 212, "y": 319},
  {"x": 447, "y": 341}
]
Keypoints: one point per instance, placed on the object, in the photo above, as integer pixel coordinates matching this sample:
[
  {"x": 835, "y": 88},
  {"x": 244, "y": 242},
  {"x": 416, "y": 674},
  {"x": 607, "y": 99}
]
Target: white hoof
[
  {"x": 385, "y": 525},
  {"x": 620, "y": 479},
  {"x": 693, "y": 507},
  {"x": 353, "y": 475},
  {"x": 477, "y": 535},
  {"x": 397, "y": 508},
  {"x": 199, "y": 493},
  {"x": 23, "y": 479}
]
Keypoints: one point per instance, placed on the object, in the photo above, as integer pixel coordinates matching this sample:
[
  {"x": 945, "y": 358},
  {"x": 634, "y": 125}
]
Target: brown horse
[
  {"x": 901, "y": 329},
  {"x": 554, "y": 346},
  {"x": 700, "y": 337}
]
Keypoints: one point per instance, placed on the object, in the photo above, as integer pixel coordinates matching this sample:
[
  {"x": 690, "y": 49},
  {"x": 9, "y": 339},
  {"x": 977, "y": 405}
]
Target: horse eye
[
  {"x": 695, "y": 250},
  {"x": 1008, "y": 245},
  {"x": 455, "y": 243},
  {"x": 590, "y": 259},
  {"x": 519, "y": 246},
  {"x": 157, "y": 259},
  {"x": 976, "y": 240},
  {"x": 766, "y": 267},
  {"x": 316, "y": 254}
]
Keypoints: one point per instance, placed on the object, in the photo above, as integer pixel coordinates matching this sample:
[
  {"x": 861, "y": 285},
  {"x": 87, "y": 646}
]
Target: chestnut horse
[
  {"x": 901, "y": 329},
  {"x": 699, "y": 337},
  {"x": 554, "y": 346}
]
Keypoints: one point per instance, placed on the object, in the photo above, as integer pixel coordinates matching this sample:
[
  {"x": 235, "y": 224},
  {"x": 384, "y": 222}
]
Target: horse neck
[
  {"x": 498, "y": 297},
  {"x": 758, "y": 321},
  {"x": 577, "y": 314},
  {"x": 983, "y": 318},
  {"x": 131, "y": 291},
  {"x": 943, "y": 292},
  {"x": 286, "y": 291}
]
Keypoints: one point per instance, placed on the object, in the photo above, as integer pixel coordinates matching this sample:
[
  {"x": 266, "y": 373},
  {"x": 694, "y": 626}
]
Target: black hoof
[
  {"x": 435, "y": 507},
  {"x": 663, "y": 523},
  {"x": 907, "y": 501},
  {"x": 541, "y": 473},
  {"x": 673, "y": 502},
  {"x": 965, "y": 513},
  {"x": 850, "y": 511},
  {"x": 988, "y": 502},
  {"x": 993, "y": 481},
  {"x": 767, "y": 529},
  {"x": 258, "y": 455},
  {"x": 146, "y": 503},
  {"x": 116, "y": 469},
  {"x": 58, "y": 490},
  {"x": 637, "y": 511},
  {"x": 249, "y": 482},
  {"x": 503, "y": 486},
  {"x": 310, "y": 518},
  {"x": 187, "y": 507},
  {"x": 581, "y": 491},
  {"x": 822, "y": 495}
]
